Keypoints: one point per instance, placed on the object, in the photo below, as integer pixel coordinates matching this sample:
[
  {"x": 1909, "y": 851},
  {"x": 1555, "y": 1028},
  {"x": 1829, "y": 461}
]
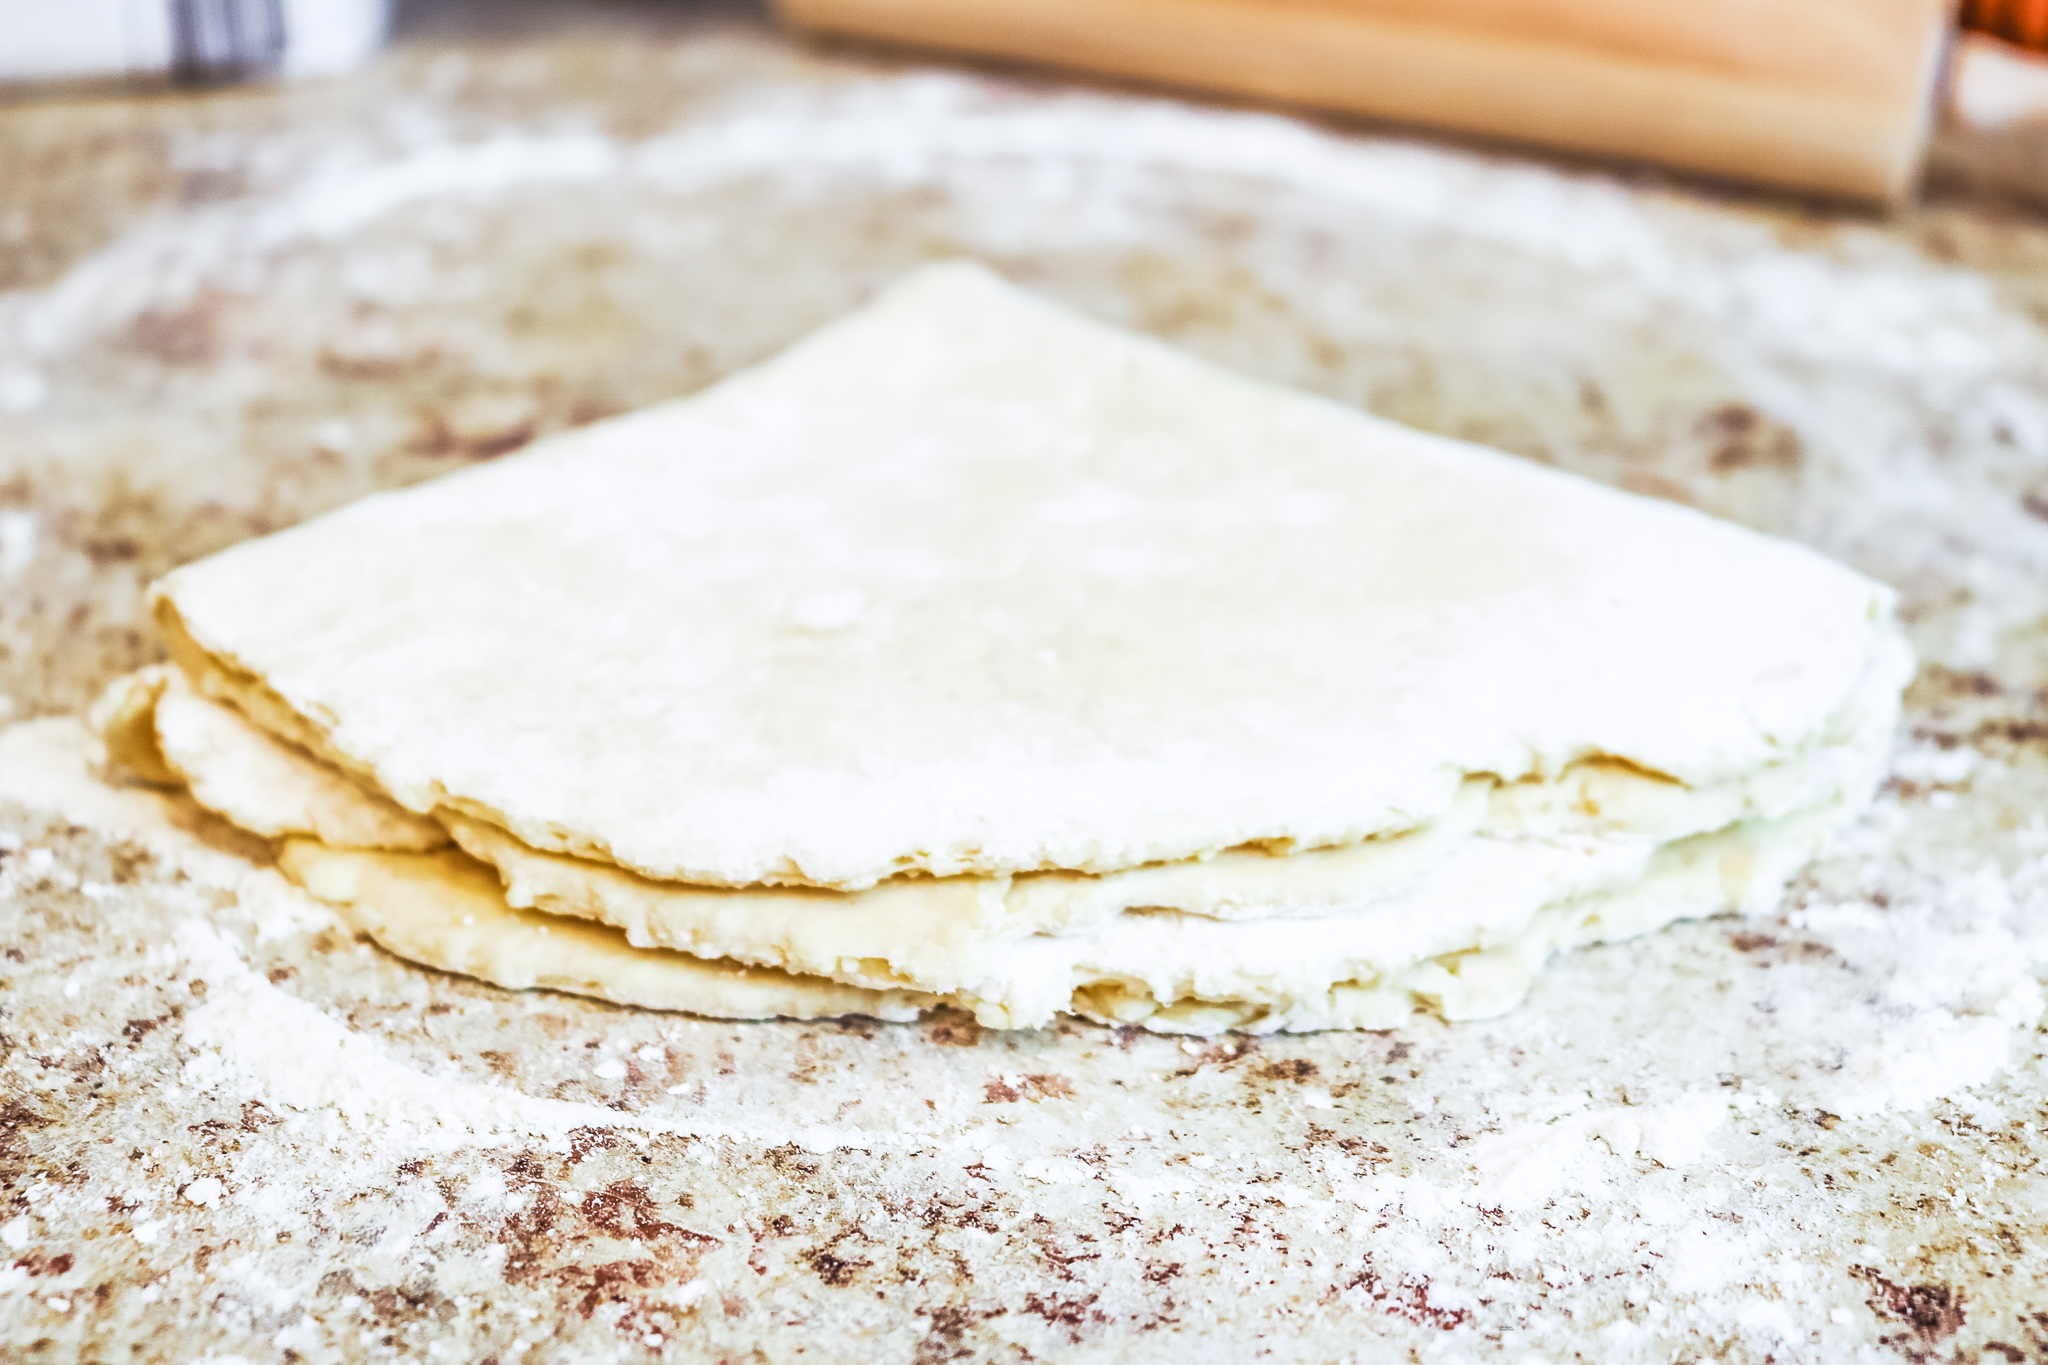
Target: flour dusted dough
[
  {"x": 967, "y": 584},
  {"x": 973, "y": 651}
]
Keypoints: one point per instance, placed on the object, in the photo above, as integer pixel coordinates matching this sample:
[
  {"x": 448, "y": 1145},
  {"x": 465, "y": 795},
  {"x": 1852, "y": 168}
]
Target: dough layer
[{"x": 445, "y": 910}]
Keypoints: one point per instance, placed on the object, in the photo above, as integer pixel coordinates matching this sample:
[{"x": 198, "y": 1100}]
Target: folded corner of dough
[
  {"x": 270, "y": 788},
  {"x": 124, "y": 718}
]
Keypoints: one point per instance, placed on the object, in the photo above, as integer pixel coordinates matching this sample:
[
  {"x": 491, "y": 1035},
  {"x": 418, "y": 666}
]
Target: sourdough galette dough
[{"x": 974, "y": 649}]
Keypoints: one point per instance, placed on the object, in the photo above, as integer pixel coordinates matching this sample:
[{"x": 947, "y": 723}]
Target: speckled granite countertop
[{"x": 229, "y": 1130}]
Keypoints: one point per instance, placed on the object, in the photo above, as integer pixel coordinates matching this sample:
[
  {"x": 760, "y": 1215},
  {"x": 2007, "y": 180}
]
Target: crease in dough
[{"x": 447, "y": 912}]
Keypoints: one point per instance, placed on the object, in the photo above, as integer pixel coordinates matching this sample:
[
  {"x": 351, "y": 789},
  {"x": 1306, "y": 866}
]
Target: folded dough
[
  {"x": 974, "y": 650},
  {"x": 1458, "y": 917}
]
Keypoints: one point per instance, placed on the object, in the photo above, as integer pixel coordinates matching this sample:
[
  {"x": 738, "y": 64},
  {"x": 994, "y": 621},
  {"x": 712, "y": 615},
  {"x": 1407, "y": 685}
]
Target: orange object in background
[
  {"x": 1827, "y": 96},
  {"x": 2021, "y": 22}
]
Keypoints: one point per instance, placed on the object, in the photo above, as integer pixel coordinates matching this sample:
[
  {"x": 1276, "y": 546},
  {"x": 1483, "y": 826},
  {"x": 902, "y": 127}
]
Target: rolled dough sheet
[{"x": 966, "y": 584}]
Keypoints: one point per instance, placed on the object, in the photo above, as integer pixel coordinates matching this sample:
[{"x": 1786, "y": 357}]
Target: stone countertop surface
[{"x": 229, "y": 1130}]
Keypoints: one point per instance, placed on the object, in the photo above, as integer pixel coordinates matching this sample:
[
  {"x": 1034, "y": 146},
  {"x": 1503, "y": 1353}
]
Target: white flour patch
[{"x": 254, "y": 1041}]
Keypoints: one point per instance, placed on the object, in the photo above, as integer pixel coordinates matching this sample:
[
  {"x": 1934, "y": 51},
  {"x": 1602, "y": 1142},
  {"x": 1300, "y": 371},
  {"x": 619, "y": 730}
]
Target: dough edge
[{"x": 402, "y": 900}]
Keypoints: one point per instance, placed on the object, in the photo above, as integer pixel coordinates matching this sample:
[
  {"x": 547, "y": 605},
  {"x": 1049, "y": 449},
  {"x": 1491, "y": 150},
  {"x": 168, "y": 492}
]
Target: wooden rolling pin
[{"x": 1829, "y": 96}]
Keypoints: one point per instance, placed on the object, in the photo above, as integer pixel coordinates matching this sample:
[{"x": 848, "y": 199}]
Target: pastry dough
[
  {"x": 974, "y": 651},
  {"x": 968, "y": 584}
]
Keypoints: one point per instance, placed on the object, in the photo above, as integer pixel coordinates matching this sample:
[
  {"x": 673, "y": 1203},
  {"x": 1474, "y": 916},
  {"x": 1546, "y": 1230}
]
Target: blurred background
[{"x": 234, "y": 299}]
